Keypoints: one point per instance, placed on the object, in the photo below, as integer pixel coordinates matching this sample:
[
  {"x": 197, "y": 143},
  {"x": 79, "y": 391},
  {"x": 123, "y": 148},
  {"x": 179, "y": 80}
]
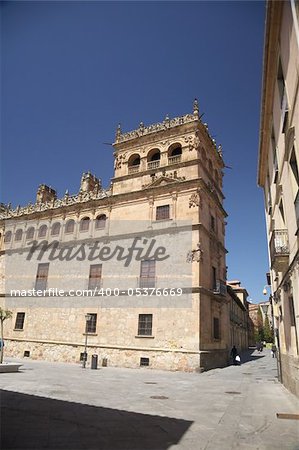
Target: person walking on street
[
  {"x": 273, "y": 350},
  {"x": 233, "y": 354}
]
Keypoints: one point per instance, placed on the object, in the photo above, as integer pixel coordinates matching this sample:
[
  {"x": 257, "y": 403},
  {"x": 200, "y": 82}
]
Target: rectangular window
[
  {"x": 292, "y": 311},
  {"x": 216, "y": 328},
  {"x": 297, "y": 210},
  {"x": 294, "y": 166},
  {"x": 91, "y": 324},
  {"x": 42, "y": 276},
  {"x": 285, "y": 124},
  {"x": 281, "y": 210},
  {"x": 145, "y": 324},
  {"x": 19, "y": 325},
  {"x": 144, "y": 362},
  {"x": 280, "y": 82},
  {"x": 214, "y": 278},
  {"x": 148, "y": 273},
  {"x": 274, "y": 154},
  {"x": 213, "y": 223},
  {"x": 273, "y": 142},
  {"x": 269, "y": 194},
  {"x": 162, "y": 212},
  {"x": 95, "y": 276}
]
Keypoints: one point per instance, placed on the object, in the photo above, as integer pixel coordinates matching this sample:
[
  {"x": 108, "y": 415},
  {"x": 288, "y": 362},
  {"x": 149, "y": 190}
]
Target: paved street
[{"x": 62, "y": 406}]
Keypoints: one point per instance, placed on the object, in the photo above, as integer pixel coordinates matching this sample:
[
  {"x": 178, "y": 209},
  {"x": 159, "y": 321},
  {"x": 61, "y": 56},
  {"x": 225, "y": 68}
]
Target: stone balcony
[
  {"x": 153, "y": 164},
  {"x": 133, "y": 169},
  {"x": 174, "y": 159}
]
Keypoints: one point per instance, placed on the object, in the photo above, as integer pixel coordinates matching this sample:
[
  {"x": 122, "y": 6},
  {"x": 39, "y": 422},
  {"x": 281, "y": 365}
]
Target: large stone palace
[{"x": 135, "y": 273}]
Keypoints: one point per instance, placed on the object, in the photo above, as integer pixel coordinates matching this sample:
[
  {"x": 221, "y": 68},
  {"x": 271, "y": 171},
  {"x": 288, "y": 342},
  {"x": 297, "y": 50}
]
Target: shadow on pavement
[
  {"x": 248, "y": 356},
  {"x": 30, "y": 422}
]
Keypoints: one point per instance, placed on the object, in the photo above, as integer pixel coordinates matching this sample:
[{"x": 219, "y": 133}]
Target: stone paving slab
[{"x": 63, "y": 406}]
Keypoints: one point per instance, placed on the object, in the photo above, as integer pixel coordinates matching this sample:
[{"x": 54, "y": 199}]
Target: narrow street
[{"x": 62, "y": 406}]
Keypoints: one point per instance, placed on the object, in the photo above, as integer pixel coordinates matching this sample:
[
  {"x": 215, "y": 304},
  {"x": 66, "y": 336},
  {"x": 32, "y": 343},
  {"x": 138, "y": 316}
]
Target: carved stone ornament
[
  {"x": 160, "y": 180},
  {"x": 192, "y": 141},
  {"x": 194, "y": 200},
  {"x": 119, "y": 160},
  {"x": 195, "y": 255}
]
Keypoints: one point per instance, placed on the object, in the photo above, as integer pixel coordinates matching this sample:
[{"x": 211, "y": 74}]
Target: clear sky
[{"x": 70, "y": 71}]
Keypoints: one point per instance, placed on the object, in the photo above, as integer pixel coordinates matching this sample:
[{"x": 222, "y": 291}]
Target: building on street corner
[
  {"x": 135, "y": 273},
  {"x": 278, "y": 175}
]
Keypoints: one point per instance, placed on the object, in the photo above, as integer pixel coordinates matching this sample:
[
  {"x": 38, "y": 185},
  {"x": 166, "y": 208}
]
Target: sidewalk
[{"x": 62, "y": 406}]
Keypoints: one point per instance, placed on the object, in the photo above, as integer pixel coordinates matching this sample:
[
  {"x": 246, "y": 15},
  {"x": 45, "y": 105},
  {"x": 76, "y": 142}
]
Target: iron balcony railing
[
  {"x": 40, "y": 285},
  {"x": 220, "y": 287},
  {"x": 279, "y": 243},
  {"x": 147, "y": 282},
  {"x": 94, "y": 283}
]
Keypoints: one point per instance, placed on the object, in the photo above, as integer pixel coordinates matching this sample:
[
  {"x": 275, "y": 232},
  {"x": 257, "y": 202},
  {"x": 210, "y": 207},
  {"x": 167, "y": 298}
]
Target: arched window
[
  {"x": 55, "y": 229},
  {"x": 30, "y": 233},
  {"x": 134, "y": 163},
  {"x": 101, "y": 221},
  {"x": 42, "y": 231},
  {"x": 134, "y": 160},
  {"x": 174, "y": 153},
  {"x": 70, "y": 226},
  {"x": 154, "y": 155},
  {"x": 7, "y": 236},
  {"x": 153, "y": 158},
  {"x": 175, "y": 150},
  {"x": 19, "y": 234},
  {"x": 84, "y": 224}
]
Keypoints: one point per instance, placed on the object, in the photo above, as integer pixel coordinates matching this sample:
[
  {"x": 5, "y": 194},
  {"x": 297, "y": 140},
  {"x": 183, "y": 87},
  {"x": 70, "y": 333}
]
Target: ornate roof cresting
[
  {"x": 165, "y": 125},
  {"x": 6, "y": 212}
]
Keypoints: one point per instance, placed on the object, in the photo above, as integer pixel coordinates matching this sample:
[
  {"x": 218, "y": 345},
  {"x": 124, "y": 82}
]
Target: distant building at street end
[
  {"x": 266, "y": 310},
  {"x": 256, "y": 322},
  {"x": 278, "y": 175},
  {"x": 239, "y": 317},
  {"x": 252, "y": 323}
]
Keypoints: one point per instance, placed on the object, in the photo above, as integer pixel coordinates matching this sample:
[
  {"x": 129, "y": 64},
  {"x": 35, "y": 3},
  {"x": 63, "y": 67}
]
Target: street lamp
[
  {"x": 87, "y": 319},
  {"x": 265, "y": 290}
]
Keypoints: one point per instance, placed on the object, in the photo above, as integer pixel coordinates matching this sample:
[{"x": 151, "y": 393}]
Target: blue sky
[{"x": 72, "y": 70}]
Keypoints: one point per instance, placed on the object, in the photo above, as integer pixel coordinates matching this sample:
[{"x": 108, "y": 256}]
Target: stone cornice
[
  {"x": 273, "y": 22},
  {"x": 87, "y": 200}
]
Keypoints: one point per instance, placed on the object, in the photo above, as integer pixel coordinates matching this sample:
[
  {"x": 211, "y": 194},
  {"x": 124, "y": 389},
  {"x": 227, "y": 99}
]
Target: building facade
[
  {"x": 239, "y": 318},
  {"x": 257, "y": 322},
  {"x": 141, "y": 265},
  {"x": 253, "y": 324},
  {"x": 266, "y": 310},
  {"x": 278, "y": 175}
]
